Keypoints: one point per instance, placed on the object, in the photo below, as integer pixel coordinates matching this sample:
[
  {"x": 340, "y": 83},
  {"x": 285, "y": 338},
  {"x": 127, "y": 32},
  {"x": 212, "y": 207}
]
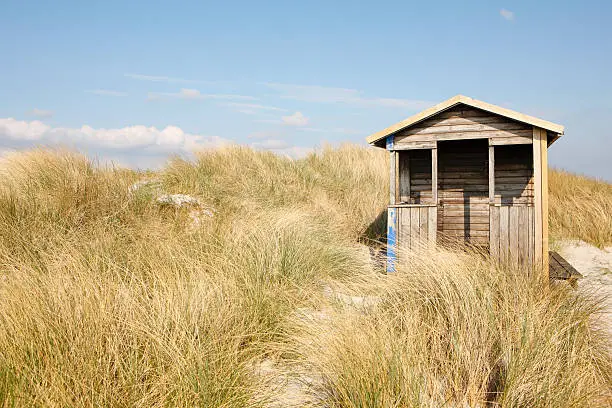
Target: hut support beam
[
  {"x": 434, "y": 173},
  {"x": 540, "y": 179},
  {"x": 391, "y": 211},
  {"x": 491, "y": 174}
]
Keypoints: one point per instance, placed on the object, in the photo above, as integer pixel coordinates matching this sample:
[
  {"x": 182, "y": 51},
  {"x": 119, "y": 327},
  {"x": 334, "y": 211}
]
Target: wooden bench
[{"x": 560, "y": 269}]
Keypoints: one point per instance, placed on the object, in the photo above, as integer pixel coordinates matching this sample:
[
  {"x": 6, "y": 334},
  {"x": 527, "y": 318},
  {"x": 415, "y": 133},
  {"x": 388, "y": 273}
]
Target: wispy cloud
[
  {"x": 40, "y": 113},
  {"x": 507, "y": 14},
  {"x": 186, "y": 93},
  {"x": 282, "y": 147},
  {"x": 160, "y": 78},
  {"x": 323, "y": 94},
  {"x": 332, "y": 130},
  {"x": 297, "y": 119},
  {"x": 106, "y": 92},
  {"x": 271, "y": 144},
  {"x": 252, "y": 107}
]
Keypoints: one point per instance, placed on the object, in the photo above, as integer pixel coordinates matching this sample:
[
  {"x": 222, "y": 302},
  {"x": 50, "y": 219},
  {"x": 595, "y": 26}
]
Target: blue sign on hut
[{"x": 468, "y": 171}]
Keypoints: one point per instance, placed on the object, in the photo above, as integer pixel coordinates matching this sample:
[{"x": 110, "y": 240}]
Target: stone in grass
[{"x": 178, "y": 200}]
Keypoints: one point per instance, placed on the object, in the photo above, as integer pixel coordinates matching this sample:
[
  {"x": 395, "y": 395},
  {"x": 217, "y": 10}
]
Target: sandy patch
[{"x": 596, "y": 266}]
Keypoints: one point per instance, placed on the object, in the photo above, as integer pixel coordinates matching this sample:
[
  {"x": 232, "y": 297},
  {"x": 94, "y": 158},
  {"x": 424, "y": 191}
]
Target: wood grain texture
[
  {"x": 392, "y": 177},
  {"x": 491, "y": 173},
  {"x": 544, "y": 164},
  {"x": 513, "y": 233},
  {"x": 432, "y": 225},
  {"x": 494, "y": 233},
  {"x": 404, "y": 177},
  {"x": 523, "y": 239},
  {"x": 434, "y": 174},
  {"x": 415, "y": 227},
  {"x": 462, "y": 102},
  {"x": 504, "y": 237},
  {"x": 537, "y": 180}
]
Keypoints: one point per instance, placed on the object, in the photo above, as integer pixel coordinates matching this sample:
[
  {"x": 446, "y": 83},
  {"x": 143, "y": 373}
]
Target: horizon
[{"x": 137, "y": 83}]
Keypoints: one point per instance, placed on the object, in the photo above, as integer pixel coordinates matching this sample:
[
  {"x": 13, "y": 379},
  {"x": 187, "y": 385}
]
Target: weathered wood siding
[
  {"x": 463, "y": 191},
  {"x": 416, "y": 226},
  {"x": 514, "y": 175},
  {"x": 512, "y": 224},
  {"x": 464, "y": 122},
  {"x": 512, "y": 235},
  {"x": 415, "y": 177}
]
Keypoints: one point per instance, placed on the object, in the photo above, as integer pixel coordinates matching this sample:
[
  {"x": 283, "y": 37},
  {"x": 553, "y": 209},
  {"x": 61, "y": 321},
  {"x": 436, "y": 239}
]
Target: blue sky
[{"x": 137, "y": 81}]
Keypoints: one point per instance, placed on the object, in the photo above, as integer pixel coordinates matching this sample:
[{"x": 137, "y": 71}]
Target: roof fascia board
[{"x": 455, "y": 100}]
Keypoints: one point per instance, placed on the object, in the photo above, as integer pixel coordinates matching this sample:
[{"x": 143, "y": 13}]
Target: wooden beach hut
[{"x": 468, "y": 171}]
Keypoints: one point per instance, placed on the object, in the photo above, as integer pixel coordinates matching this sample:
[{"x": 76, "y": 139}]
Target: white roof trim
[{"x": 456, "y": 100}]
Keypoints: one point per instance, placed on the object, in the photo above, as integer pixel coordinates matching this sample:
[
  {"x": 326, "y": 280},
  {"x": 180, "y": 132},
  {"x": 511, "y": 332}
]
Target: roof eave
[{"x": 377, "y": 139}]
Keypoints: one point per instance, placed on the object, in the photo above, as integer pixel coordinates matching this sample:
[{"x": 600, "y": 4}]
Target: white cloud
[
  {"x": 106, "y": 92},
  {"x": 191, "y": 94},
  {"x": 322, "y": 94},
  {"x": 139, "y": 138},
  {"x": 21, "y": 130},
  {"x": 40, "y": 113},
  {"x": 297, "y": 119},
  {"x": 507, "y": 14}
]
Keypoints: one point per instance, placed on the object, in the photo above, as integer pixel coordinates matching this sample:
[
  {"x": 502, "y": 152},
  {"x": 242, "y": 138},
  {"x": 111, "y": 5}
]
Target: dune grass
[
  {"x": 109, "y": 298},
  {"x": 580, "y": 208},
  {"x": 450, "y": 329}
]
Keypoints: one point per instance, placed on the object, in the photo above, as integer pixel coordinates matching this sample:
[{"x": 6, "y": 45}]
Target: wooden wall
[
  {"x": 513, "y": 234},
  {"x": 415, "y": 177},
  {"x": 463, "y": 191},
  {"x": 514, "y": 175},
  {"x": 461, "y": 123},
  {"x": 416, "y": 226}
]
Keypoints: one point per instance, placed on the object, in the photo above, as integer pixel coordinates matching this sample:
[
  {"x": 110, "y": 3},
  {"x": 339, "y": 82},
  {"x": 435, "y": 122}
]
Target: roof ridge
[{"x": 466, "y": 100}]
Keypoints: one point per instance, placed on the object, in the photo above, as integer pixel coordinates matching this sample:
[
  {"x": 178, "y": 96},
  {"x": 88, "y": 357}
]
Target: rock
[
  {"x": 364, "y": 302},
  {"x": 178, "y": 200},
  {"x": 144, "y": 183}
]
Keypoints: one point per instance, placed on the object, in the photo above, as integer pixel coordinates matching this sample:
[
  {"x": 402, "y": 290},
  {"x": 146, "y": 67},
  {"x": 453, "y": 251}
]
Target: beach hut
[{"x": 470, "y": 172}]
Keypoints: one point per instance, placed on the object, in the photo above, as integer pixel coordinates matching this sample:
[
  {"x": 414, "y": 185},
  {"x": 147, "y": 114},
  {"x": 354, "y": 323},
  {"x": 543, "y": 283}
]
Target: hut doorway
[{"x": 463, "y": 191}]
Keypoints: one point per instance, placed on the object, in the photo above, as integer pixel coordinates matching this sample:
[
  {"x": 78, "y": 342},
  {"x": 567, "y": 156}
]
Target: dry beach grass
[{"x": 109, "y": 297}]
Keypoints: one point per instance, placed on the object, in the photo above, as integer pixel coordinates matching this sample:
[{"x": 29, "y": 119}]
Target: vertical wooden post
[
  {"x": 398, "y": 175},
  {"x": 493, "y": 214},
  {"x": 392, "y": 211},
  {"x": 434, "y": 173},
  {"x": 538, "y": 187},
  {"x": 392, "y": 172},
  {"x": 404, "y": 177},
  {"x": 544, "y": 155},
  {"x": 491, "y": 174},
  {"x": 391, "y": 238}
]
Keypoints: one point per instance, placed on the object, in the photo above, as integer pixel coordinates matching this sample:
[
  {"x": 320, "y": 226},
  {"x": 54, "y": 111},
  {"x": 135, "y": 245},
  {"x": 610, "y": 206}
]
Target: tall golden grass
[
  {"x": 580, "y": 208},
  {"x": 108, "y": 298}
]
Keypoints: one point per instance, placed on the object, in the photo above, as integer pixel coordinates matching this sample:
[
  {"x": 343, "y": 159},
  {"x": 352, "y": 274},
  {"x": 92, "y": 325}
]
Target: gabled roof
[{"x": 377, "y": 137}]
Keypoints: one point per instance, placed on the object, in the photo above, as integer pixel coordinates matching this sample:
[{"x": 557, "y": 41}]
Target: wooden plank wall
[
  {"x": 464, "y": 122},
  {"x": 512, "y": 235},
  {"x": 416, "y": 226},
  {"x": 415, "y": 176},
  {"x": 514, "y": 175},
  {"x": 512, "y": 226},
  {"x": 464, "y": 191}
]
